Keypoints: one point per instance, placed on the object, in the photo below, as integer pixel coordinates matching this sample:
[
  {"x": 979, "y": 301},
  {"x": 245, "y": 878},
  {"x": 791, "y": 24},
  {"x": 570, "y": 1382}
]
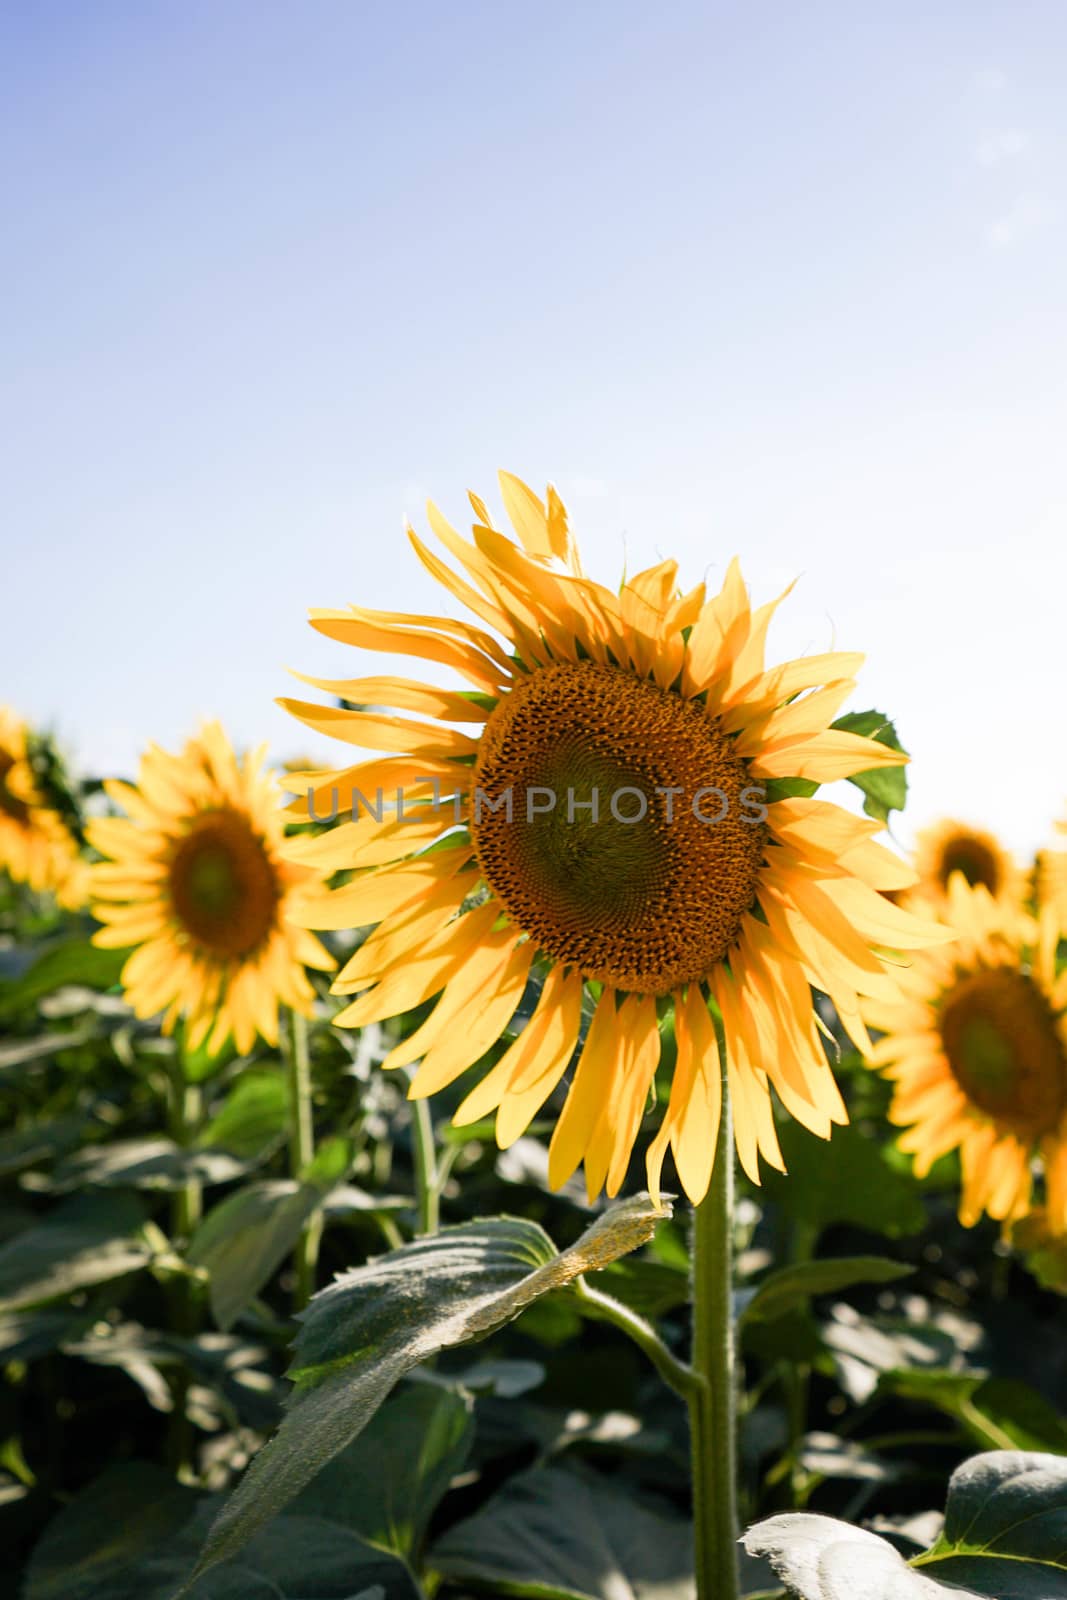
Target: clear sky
[{"x": 781, "y": 280}]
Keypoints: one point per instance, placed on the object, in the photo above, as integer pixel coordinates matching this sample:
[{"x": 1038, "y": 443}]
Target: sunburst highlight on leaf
[
  {"x": 636, "y": 702},
  {"x": 196, "y": 880}
]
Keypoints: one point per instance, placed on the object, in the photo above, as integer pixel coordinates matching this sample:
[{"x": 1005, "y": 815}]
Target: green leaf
[
  {"x": 504, "y": 1377},
  {"x": 24, "y": 1052},
  {"x": 829, "y": 1456},
  {"x": 331, "y": 1164},
  {"x": 231, "y": 1374},
  {"x": 26, "y": 1335},
  {"x": 1004, "y": 1538},
  {"x": 254, "y": 1118},
  {"x": 1045, "y": 1254},
  {"x": 559, "y": 1535},
  {"x": 852, "y": 1180},
  {"x": 200, "y": 1064},
  {"x": 145, "y": 1164},
  {"x": 884, "y": 789},
  {"x": 134, "y": 1533},
  {"x": 865, "y": 1347},
  {"x": 75, "y": 961},
  {"x": 651, "y": 1288},
  {"x": 43, "y": 1141},
  {"x": 386, "y": 1486},
  {"x": 245, "y": 1238},
  {"x": 999, "y": 1412},
  {"x": 789, "y": 1287},
  {"x": 359, "y": 1337},
  {"x": 90, "y": 1238},
  {"x": 789, "y": 788}
]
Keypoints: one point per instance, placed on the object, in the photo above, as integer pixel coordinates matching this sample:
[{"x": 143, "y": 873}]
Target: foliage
[{"x": 471, "y": 1412}]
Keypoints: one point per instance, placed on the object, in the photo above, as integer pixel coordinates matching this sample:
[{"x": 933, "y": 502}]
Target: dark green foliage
[{"x": 448, "y": 1418}]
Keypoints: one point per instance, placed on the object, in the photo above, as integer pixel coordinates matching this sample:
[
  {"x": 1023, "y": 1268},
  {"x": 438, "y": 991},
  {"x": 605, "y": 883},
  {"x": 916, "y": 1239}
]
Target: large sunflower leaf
[
  {"x": 133, "y": 1533},
  {"x": 559, "y": 1535},
  {"x": 386, "y": 1486},
  {"x": 884, "y": 789},
  {"x": 360, "y": 1336},
  {"x": 1004, "y": 1538}
]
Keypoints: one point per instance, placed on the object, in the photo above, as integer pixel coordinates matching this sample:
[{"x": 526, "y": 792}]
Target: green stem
[
  {"x": 186, "y": 1207},
  {"x": 427, "y": 1176},
  {"x": 681, "y": 1378},
  {"x": 713, "y": 1403},
  {"x": 186, "y": 1111},
  {"x": 301, "y": 1154},
  {"x": 797, "y": 1374}
]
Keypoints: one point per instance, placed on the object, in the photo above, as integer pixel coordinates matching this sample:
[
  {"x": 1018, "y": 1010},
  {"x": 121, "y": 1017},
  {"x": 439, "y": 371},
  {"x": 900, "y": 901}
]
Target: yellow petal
[
  {"x": 586, "y": 1096},
  {"x": 548, "y": 1039},
  {"x": 484, "y": 1020}
]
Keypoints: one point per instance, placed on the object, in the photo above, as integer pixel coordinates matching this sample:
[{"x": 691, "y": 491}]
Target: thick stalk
[
  {"x": 301, "y": 1154},
  {"x": 713, "y": 1403}
]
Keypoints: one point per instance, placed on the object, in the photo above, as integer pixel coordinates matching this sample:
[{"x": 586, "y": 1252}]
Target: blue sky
[{"x": 775, "y": 280}]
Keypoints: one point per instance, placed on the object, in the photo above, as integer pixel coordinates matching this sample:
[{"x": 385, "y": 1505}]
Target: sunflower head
[
  {"x": 36, "y": 845},
  {"x": 195, "y": 879},
  {"x": 600, "y": 818},
  {"x": 951, "y": 846},
  {"x": 976, "y": 1047}
]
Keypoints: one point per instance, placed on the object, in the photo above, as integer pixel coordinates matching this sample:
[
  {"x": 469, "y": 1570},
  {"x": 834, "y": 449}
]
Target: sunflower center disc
[
  {"x": 1003, "y": 1046},
  {"x": 633, "y": 841},
  {"x": 975, "y": 860},
  {"x": 222, "y": 885}
]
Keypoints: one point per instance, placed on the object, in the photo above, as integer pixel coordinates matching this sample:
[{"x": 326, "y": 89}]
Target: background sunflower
[
  {"x": 195, "y": 879},
  {"x": 952, "y": 846},
  {"x": 976, "y": 1047},
  {"x": 1050, "y": 879},
  {"x": 36, "y": 845}
]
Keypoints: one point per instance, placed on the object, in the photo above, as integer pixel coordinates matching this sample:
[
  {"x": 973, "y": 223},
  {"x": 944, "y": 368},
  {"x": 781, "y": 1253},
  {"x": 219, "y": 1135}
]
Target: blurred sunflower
[
  {"x": 1050, "y": 879},
  {"x": 196, "y": 880},
  {"x": 685, "y": 895},
  {"x": 951, "y": 846},
  {"x": 36, "y": 845},
  {"x": 976, "y": 1046}
]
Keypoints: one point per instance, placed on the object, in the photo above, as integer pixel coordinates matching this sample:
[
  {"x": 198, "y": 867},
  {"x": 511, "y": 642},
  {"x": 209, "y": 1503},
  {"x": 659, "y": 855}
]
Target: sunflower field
[{"x": 563, "y": 1149}]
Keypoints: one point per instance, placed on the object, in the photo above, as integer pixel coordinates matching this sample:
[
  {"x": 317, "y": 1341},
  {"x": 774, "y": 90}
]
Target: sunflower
[
  {"x": 36, "y": 845},
  {"x": 612, "y": 830},
  {"x": 951, "y": 846},
  {"x": 1050, "y": 879},
  {"x": 196, "y": 880},
  {"x": 976, "y": 1046}
]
